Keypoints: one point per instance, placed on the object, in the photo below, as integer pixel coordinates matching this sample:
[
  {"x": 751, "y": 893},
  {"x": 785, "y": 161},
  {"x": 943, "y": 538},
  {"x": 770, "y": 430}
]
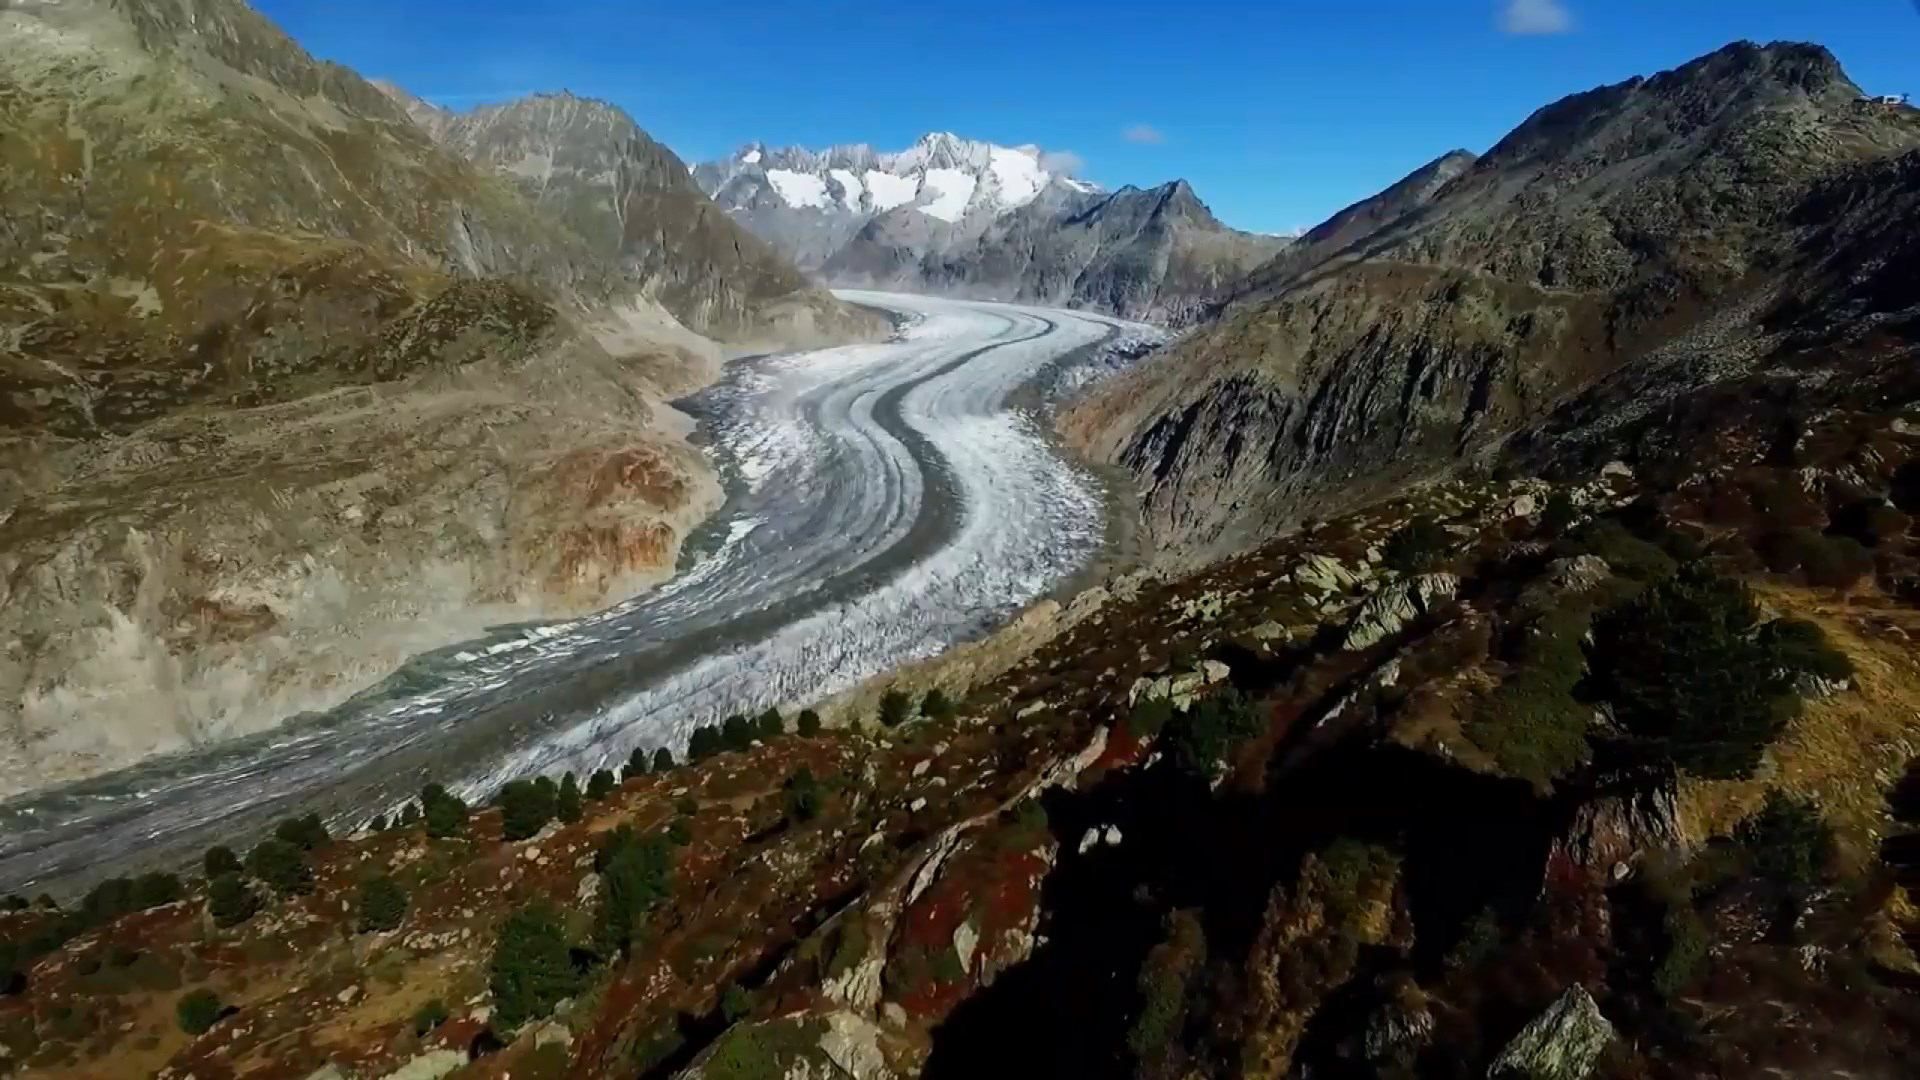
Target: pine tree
[
  {"x": 568, "y": 808},
  {"x": 382, "y": 904},
  {"x": 230, "y": 901},
  {"x": 600, "y": 785},
  {"x": 532, "y": 968}
]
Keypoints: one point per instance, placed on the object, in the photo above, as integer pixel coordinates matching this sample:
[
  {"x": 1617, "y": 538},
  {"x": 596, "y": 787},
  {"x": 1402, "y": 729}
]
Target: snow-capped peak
[{"x": 942, "y": 175}]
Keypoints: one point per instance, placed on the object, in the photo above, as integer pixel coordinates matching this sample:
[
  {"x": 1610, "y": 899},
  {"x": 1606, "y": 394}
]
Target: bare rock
[
  {"x": 1609, "y": 834},
  {"x": 1387, "y": 612},
  {"x": 1562, "y": 1043}
]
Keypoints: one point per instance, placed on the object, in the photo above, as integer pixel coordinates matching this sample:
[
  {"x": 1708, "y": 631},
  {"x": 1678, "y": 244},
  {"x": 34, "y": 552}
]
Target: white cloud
[
  {"x": 1145, "y": 134},
  {"x": 1535, "y": 17},
  {"x": 1064, "y": 162}
]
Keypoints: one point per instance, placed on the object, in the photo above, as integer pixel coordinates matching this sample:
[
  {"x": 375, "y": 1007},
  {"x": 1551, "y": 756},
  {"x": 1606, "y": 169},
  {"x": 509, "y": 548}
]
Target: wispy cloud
[
  {"x": 1145, "y": 134},
  {"x": 1065, "y": 162},
  {"x": 1535, "y": 17}
]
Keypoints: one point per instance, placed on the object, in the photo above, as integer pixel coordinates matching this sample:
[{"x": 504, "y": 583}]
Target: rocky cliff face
[
  {"x": 1652, "y": 237},
  {"x": 967, "y": 218},
  {"x": 289, "y": 392},
  {"x": 635, "y": 204}
]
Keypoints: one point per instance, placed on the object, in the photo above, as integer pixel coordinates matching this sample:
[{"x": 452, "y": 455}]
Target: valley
[{"x": 885, "y": 501}]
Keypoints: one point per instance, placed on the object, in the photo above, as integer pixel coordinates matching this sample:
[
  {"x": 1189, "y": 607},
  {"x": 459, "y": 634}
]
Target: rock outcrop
[
  {"x": 1574, "y": 295},
  {"x": 1562, "y": 1043}
]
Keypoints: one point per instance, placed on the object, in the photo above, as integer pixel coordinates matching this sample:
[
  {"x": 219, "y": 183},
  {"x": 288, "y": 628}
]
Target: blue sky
[{"x": 1279, "y": 113}]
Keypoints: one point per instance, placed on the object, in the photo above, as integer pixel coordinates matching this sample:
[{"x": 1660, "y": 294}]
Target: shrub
[
  {"x": 704, "y": 743},
  {"x": 1787, "y": 841},
  {"x": 1871, "y": 522},
  {"x": 1166, "y": 984},
  {"x": 220, "y": 860},
  {"x": 771, "y": 724},
  {"x": 808, "y": 725},
  {"x": 198, "y": 1010},
  {"x": 282, "y": 866},
  {"x": 1687, "y": 672},
  {"x": 107, "y": 901},
  {"x": 1416, "y": 547},
  {"x": 1684, "y": 951},
  {"x": 567, "y": 806},
  {"x": 686, "y": 806},
  {"x": 532, "y": 969},
  {"x": 1830, "y": 561},
  {"x": 1802, "y": 646},
  {"x": 679, "y": 832},
  {"x": 735, "y": 1003},
  {"x": 525, "y": 809},
  {"x": 409, "y": 816},
  {"x": 305, "y": 833},
  {"x": 895, "y": 708},
  {"x": 600, "y": 784},
  {"x": 152, "y": 890},
  {"x": 445, "y": 813},
  {"x": 663, "y": 760},
  {"x": 803, "y": 795},
  {"x": 1559, "y": 514},
  {"x": 1202, "y": 739},
  {"x": 636, "y": 876},
  {"x": 14, "y": 902},
  {"x": 935, "y": 705},
  {"x": 430, "y": 1016},
  {"x": 1531, "y": 723},
  {"x": 1149, "y": 716},
  {"x": 1626, "y": 554},
  {"x": 230, "y": 901},
  {"x": 637, "y": 762},
  {"x": 382, "y": 904},
  {"x": 378, "y": 824}
]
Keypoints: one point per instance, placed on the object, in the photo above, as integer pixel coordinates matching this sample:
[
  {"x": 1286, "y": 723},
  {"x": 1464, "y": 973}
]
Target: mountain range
[{"x": 968, "y": 218}]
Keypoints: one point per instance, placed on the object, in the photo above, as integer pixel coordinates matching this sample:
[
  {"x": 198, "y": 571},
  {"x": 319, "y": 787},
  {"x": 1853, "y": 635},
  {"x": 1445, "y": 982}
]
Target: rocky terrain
[
  {"x": 1624, "y": 257},
  {"x": 965, "y": 218},
  {"x": 1205, "y": 825},
  {"x": 290, "y": 392}
]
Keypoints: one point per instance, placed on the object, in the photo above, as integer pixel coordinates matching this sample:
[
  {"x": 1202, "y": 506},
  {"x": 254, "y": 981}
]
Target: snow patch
[
  {"x": 799, "y": 189},
  {"x": 889, "y": 191},
  {"x": 952, "y": 190},
  {"x": 751, "y": 157},
  {"x": 1018, "y": 174}
]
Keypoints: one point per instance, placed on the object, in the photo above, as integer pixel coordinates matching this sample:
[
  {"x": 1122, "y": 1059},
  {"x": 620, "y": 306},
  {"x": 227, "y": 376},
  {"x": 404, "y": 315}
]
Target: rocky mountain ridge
[
  {"x": 967, "y": 218},
  {"x": 1645, "y": 233},
  {"x": 587, "y": 164}
]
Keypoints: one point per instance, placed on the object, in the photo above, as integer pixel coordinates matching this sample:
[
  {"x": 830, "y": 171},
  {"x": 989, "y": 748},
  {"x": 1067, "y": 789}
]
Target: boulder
[
  {"x": 1562, "y": 1043},
  {"x": 1388, "y": 611}
]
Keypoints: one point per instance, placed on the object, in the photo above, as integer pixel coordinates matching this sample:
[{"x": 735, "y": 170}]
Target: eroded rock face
[
  {"x": 1610, "y": 834},
  {"x": 1562, "y": 1043}
]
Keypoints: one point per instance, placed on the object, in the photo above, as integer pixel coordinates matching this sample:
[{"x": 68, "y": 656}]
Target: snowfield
[{"x": 885, "y": 502}]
